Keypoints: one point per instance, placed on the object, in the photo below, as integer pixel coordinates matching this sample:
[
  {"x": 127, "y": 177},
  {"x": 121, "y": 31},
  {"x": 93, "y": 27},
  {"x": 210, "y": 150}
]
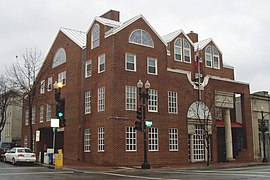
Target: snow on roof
[
  {"x": 203, "y": 43},
  {"x": 78, "y": 37},
  {"x": 129, "y": 22},
  {"x": 108, "y": 22},
  {"x": 169, "y": 37}
]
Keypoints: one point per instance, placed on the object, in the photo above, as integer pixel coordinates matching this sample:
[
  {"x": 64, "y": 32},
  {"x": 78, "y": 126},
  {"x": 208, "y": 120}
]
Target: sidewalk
[{"x": 81, "y": 166}]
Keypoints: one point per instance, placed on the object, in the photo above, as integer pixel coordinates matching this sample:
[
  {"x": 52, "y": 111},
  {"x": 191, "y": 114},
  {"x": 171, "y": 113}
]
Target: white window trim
[
  {"x": 141, "y": 44},
  {"x": 129, "y": 97},
  {"x": 181, "y": 49},
  {"x": 89, "y": 62},
  {"x": 189, "y": 51},
  {"x": 87, "y": 102},
  {"x": 26, "y": 117},
  {"x": 211, "y": 58},
  {"x": 101, "y": 139},
  {"x": 150, "y": 100},
  {"x": 131, "y": 139},
  {"x": 62, "y": 77},
  {"x": 101, "y": 90},
  {"x": 41, "y": 114},
  {"x": 42, "y": 87},
  {"x": 49, "y": 86},
  {"x": 153, "y": 139},
  {"x": 87, "y": 140},
  {"x": 99, "y": 59},
  {"x": 156, "y": 69},
  {"x": 172, "y": 102},
  {"x": 173, "y": 136},
  {"x": 48, "y": 113},
  {"x": 130, "y": 54},
  {"x": 92, "y": 36}
]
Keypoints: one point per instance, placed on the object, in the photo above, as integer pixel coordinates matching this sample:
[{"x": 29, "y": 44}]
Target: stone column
[{"x": 228, "y": 135}]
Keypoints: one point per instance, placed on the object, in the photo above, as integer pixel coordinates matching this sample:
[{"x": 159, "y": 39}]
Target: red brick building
[{"x": 100, "y": 70}]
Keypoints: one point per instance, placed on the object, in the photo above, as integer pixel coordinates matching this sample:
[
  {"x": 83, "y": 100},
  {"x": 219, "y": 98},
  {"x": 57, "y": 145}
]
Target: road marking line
[
  {"x": 131, "y": 176},
  {"x": 35, "y": 173}
]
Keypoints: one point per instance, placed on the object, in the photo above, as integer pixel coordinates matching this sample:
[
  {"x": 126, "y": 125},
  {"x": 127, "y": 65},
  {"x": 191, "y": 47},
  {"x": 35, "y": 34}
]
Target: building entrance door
[{"x": 221, "y": 146}]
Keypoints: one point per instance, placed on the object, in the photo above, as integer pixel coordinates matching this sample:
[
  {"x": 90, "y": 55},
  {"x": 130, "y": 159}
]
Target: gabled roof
[
  {"x": 106, "y": 22},
  {"x": 129, "y": 22},
  {"x": 169, "y": 37},
  {"x": 203, "y": 43},
  {"x": 78, "y": 37}
]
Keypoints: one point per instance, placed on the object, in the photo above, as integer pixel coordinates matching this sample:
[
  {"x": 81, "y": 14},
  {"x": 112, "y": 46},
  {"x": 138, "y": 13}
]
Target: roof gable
[
  {"x": 78, "y": 37},
  {"x": 203, "y": 43},
  {"x": 129, "y": 22},
  {"x": 169, "y": 37},
  {"x": 105, "y": 22}
]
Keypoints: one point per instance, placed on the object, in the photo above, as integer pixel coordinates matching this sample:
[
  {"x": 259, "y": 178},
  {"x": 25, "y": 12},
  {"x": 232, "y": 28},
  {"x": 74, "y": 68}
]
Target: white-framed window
[
  {"x": 49, "y": 112},
  {"x": 178, "y": 49},
  {"x": 88, "y": 68},
  {"x": 172, "y": 102},
  {"x": 101, "y": 139},
  {"x": 42, "y": 87},
  {"x": 62, "y": 77},
  {"x": 41, "y": 113},
  {"x": 131, "y": 101},
  {"x": 153, "y": 139},
  {"x": 25, "y": 141},
  {"x": 131, "y": 139},
  {"x": 173, "y": 139},
  {"x": 26, "y": 117},
  {"x": 208, "y": 56},
  {"x": 198, "y": 144},
  {"x": 130, "y": 62},
  {"x": 33, "y": 115},
  {"x": 95, "y": 34},
  {"x": 87, "y": 140},
  {"x": 187, "y": 51},
  {"x": 153, "y": 100},
  {"x": 101, "y": 99},
  {"x": 152, "y": 66},
  {"x": 101, "y": 63},
  {"x": 216, "y": 63},
  {"x": 141, "y": 37},
  {"x": 87, "y": 102},
  {"x": 49, "y": 86}
]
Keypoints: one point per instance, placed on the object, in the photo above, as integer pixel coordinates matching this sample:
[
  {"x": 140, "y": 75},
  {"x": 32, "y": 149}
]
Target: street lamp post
[
  {"x": 143, "y": 98},
  {"x": 57, "y": 95},
  {"x": 263, "y": 128}
]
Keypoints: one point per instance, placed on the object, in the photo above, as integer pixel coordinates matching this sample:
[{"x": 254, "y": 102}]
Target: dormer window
[
  {"x": 215, "y": 58},
  {"x": 141, "y": 37},
  {"x": 212, "y": 57},
  {"x": 95, "y": 34},
  {"x": 187, "y": 51},
  {"x": 178, "y": 49}
]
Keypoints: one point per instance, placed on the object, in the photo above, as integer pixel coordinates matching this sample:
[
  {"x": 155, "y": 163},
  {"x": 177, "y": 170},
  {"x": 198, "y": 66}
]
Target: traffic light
[
  {"x": 60, "y": 109},
  {"x": 62, "y": 122},
  {"x": 139, "y": 113},
  {"x": 138, "y": 126}
]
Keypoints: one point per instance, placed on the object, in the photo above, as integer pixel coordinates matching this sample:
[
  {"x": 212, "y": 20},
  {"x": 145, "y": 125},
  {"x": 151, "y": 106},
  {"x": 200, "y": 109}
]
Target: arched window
[
  {"x": 178, "y": 49},
  {"x": 59, "y": 58},
  {"x": 187, "y": 51},
  {"x": 208, "y": 56},
  {"x": 215, "y": 58},
  {"x": 141, "y": 37},
  {"x": 95, "y": 36}
]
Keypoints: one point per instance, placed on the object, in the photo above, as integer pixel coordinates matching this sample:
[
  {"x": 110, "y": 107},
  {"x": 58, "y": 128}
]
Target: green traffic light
[{"x": 60, "y": 114}]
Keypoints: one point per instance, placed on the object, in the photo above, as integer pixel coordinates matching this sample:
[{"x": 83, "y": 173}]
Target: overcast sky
[{"x": 240, "y": 28}]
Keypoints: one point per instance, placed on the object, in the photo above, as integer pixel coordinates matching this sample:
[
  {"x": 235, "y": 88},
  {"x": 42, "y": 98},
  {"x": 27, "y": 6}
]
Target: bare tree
[
  {"x": 24, "y": 76},
  {"x": 6, "y": 93}
]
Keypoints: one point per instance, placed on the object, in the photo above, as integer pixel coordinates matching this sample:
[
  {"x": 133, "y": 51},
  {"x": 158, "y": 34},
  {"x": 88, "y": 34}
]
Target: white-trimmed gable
[
  {"x": 203, "y": 43},
  {"x": 78, "y": 37},
  {"x": 169, "y": 37},
  {"x": 129, "y": 22},
  {"x": 104, "y": 21}
]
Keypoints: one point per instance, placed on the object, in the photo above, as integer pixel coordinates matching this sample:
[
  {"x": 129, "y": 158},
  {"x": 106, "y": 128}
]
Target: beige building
[
  {"x": 260, "y": 110},
  {"x": 12, "y": 130}
]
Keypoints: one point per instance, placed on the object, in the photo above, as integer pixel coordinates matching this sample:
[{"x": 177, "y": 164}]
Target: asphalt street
[{"x": 26, "y": 172}]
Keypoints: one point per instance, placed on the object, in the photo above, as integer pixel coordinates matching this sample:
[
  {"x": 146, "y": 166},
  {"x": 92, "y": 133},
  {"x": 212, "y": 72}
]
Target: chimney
[
  {"x": 112, "y": 15},
  {"x": 193, "y": 36}
]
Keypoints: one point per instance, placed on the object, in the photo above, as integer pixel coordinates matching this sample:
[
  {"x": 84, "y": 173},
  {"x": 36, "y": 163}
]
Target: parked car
[
  {"x": 20, "y": 154},
  {"x": 4, "y": 146}
]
